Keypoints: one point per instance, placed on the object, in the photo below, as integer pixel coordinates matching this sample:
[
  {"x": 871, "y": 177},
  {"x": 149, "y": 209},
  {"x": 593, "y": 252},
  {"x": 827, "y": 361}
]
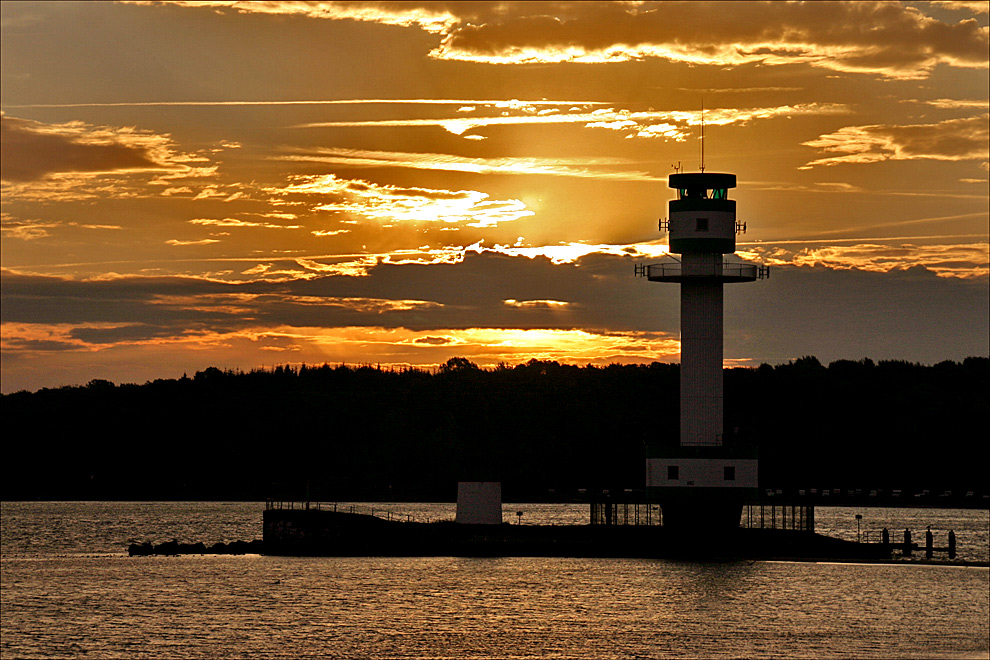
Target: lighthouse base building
[{"x": 702, "y": 487}]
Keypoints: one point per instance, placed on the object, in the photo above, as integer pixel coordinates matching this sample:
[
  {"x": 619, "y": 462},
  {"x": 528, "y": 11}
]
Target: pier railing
[
  {"x": 625, "y": 513},
  {"x": 383, "y": 511},
  {"x": 797, "y": 517},
  {"x": 754, "y": 516}
]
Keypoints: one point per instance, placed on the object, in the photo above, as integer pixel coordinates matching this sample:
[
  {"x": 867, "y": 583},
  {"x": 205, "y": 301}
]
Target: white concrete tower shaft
[
  {"x": 702, "y": 228},
  {"x": 701, "y": 353}
]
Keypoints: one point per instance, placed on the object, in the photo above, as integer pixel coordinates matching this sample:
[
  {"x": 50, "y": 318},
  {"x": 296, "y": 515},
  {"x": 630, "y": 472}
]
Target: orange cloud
[
  {"x": 535, "y": 304},
  {"x": 466, "y": 105},
  {"x": 26, "y": 230},
  {"x": 972, "y": 6},
  {"x": 953, "y": 139},
  {"x": 431, "y": 18},
  {"x": 29, "y": 230},
  {"x": 953, "y": 104},
  {"x": 672, "y": 125},
  {"x": 234, "y": 222},
  {"x": 252, "y": 303},
  {"x": 962, "y": 260},
  {"x": 567, "y": 253},
  {"x": 356, "y": 198},
  {"x": 567, "y": 167},
  {"x": 181, "y": 243},
  {"x": 886, "y": 38}
]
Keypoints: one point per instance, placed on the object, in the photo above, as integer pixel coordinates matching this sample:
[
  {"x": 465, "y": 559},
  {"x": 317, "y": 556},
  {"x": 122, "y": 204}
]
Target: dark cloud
[
  {"x": 15, "y": 345},
  {"x": 433, "y": 341},
  {"x": 961, "y": 138},
  {"x": 137, "y": 300},
  {"x": 31, "y": 151},
  {"x": 904, "y": 314},
  {"x": 868, "y": 36},
  {"x": 124, "y": 333},
  {"x": 908, "y": 314}
]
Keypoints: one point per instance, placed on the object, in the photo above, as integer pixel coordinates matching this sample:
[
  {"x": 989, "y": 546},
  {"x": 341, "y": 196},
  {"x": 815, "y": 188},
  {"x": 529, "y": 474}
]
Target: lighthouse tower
[{"x": 703, "y": 482}]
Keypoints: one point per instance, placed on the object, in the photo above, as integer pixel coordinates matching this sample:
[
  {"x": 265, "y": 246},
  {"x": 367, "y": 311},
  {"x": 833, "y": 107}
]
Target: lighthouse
[{"x": 703, "y": 482}]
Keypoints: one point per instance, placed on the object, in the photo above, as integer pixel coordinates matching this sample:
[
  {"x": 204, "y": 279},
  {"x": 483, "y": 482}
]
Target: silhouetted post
[
  {"x": 952, "y": 544},
  {"x": 907, "y": 543},
  {"x": 885, "y": 537},
  {"x": 859, "y": 536},
  {"x": 929, "y": 543}
]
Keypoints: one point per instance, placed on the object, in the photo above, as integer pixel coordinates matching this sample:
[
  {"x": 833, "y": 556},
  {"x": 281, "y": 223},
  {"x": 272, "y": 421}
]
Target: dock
[{"x": 325, "y": 532}]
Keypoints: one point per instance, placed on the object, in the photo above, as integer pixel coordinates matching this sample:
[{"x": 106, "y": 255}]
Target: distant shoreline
[{"x": 816, "y": 502}]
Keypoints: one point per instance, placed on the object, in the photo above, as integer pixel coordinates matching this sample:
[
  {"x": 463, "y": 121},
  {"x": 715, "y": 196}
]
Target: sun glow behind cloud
[{"x": 355, "y": 345}]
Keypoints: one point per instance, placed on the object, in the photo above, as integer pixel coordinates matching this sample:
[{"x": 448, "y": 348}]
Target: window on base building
[
  {"x": 730, "y": 472},
  {"x": 673, "y": 473}
]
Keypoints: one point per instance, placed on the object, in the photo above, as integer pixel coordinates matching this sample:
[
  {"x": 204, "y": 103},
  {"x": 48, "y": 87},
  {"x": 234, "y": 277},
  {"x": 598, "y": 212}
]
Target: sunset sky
[{"x": 244, "y": 185}]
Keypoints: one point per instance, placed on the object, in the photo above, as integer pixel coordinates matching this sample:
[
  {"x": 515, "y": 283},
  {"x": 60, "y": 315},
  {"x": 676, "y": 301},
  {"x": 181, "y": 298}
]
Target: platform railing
[{"x": 728, "y": 269}]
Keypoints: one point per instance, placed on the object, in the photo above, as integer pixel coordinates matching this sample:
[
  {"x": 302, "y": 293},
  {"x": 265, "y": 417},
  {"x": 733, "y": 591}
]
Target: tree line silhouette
[{"x": 544, "y": 429}]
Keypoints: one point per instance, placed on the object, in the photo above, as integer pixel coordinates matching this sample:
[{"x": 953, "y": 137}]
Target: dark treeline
[{"x": 359, "y": 433}]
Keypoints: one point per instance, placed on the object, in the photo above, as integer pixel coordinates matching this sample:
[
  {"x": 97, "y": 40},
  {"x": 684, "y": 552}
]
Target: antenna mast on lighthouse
[{"x": 702, "y": 134}]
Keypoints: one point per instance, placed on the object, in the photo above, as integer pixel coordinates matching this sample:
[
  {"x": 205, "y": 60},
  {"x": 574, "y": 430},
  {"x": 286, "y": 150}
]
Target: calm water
[{"x": 68, "y": 590}]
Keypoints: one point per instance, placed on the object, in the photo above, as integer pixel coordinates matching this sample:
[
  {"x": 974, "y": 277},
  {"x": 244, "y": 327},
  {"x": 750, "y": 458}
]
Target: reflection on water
[{"x": 67, "y": 591}]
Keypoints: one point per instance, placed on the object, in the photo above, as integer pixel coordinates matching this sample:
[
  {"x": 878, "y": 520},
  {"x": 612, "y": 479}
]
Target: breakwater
[{"x": 176, "y": 548}]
